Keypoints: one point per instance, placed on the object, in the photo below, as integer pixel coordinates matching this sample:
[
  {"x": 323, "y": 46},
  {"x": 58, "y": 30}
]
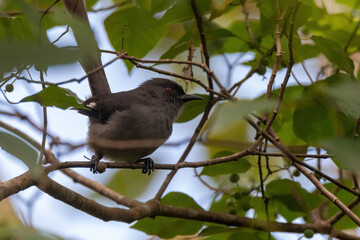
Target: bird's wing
[{"x": 100, "y": 108}]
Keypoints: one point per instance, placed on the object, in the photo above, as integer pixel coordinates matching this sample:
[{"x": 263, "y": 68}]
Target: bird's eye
[{"x": 169, "y": 90}]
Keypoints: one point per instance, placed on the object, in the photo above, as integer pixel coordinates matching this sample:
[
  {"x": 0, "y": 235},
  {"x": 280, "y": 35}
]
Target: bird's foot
[
  {"x": 148, "y": 165},
  {"x": 94, "y": 162}
]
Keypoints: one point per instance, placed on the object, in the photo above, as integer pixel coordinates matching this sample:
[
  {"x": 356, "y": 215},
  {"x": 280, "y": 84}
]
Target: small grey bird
[{"x": 128, "y": 126}]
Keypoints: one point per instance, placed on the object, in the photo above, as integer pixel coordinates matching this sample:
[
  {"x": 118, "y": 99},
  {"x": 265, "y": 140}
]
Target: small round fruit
[
  {"x": 229, "y": 202},
  {"x": 246, "y": 206},
  {"x": 265, "y": 62},
  {"x": 296, "y": 173},
  {"x": 261, "y": 70},
  {"x": 308, "y": 233},
  {"x": 234, "y": 178},
  {"x": 41, "y": 67},
  {"x": 9, "y": 87},
  {"x": 232, "y": 211},
  {"x": 238, "y": 195}
]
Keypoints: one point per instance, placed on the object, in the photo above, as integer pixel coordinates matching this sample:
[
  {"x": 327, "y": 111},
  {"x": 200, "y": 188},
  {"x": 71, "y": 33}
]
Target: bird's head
[{"x": 166, "y": 90}]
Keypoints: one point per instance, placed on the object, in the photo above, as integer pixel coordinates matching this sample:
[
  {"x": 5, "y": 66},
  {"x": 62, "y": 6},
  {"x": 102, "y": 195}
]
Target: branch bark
[
  {"x": 97, "y": 80},
  {"x": 154, "y": 208}
]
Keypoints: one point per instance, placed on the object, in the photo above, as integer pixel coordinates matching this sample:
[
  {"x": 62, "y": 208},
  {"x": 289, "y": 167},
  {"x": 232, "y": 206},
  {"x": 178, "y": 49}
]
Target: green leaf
[
  {"x": 323, "y": 113},
  {"x": 346, "y": 198},
  {"x": 54, "y": 96},
  {"x": 334, "y": 53},
  {"x": 283, "y": 124},
  {"x": 33, "y": 19},
  {"x": 215, "y": 37},
  {"x": 230, "y": 233},
  {"x": 346, "y": 151},
  {"x": 181, "y": 11},
  {"x": 218, "y": 7},
  {"x": 292, "y": 195},
  {"x": 303, "y": 52},
  {"x": 218, "y": 129},
  {"x": 241, "y": 39},
  {"x": 82, "y": 31},
  {"x": 155, "y": 6},
  {"x": 313, "y": 122},
  {"x": 90, "y": 3},
  {"x": 19, "y": 38},
  {"x": 193, "y": 109},
  {"x": 239, "y": 166},
  {"x": 241, "y": 108},
  {"x": 19, "y": 149},
  {"x": 344, "y": 96},
  {"x": 139, "y": 29},
  {"x": 181, "y": 200},
  {"x": 165, "y": 227},
  {"x": 267, "y": 16},
  {"x": 213, "y": 230},
  {"x": 302, "y": 15},
  {"x": 136, "y": 187},
  {"x": 258, "y": 205},
  {"x": 8, "y": 231},
  {"x": 17, "y": 54},
  {"x": 350, "y": 3},
  {"x": 249, "y": 234},
  {"x": 268, "y": 13},
  {"x": 289, "y": 214}
]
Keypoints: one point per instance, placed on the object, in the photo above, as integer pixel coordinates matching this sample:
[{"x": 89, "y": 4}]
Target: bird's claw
[
  {"x": 148, "y": 165},
  {"x": 94, "y": 162}
]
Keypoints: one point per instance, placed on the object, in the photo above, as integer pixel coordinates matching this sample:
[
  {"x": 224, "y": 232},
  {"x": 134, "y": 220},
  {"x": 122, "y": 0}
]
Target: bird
[{"x": 130, "y": 125}]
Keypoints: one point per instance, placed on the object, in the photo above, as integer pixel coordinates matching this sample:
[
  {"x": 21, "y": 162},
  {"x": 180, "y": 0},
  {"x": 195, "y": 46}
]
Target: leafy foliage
[
  {"x": 55, "y": 96},
  {"x": 317, "y": 112},
  {"x": 169, "y": 227},
  {"x": 193, "y": 109},
  {"x": 240, "y": 166},
  {"x": 19, "y": 148}
]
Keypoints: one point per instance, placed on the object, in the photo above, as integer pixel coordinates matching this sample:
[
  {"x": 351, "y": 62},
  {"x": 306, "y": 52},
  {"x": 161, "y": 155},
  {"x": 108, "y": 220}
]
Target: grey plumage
[{"x": 140, "y": 119}]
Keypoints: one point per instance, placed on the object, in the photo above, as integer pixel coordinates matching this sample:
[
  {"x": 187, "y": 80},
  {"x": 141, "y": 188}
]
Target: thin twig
[
  {"x": 301, "y": 167},
  {"x": 300, "y": 162},
  {"x": 351, "y": 38},
  {"x": 198, "y": 18},
  {"x": 192, "y": 79},
  {"x": 356, "y": 129},
  {"x": 45, "y": 123},
  {"x": 337, "y": 216},
  {"x": 62, "y": 34},
  {"x": 279, "y": 52},
  {"x": 247, "y": 22},
  {"x": 297, "y": 81},
  {"x": 307, "y": 72},
  {"x": 263, "y": 196},
  {"x": 195, "y": 135},
  {"x": 110, "y": 7},
  {"x": 289, "y": 68},
  {"x": 253, "y": 70},
  {"x": 91, "y": 184},
  {"x": 48, "y": 9}
]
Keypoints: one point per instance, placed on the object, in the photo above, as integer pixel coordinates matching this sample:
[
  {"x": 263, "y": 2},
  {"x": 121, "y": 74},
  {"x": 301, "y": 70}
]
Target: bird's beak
[{"x": 188, "y": 97}]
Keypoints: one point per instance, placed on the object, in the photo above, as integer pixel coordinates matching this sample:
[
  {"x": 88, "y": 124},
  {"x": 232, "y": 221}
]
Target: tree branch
[
  {"x": 97, "y": 81},
  {"x": 300, "y": 166},
  {"x": 84, "y": 204}
]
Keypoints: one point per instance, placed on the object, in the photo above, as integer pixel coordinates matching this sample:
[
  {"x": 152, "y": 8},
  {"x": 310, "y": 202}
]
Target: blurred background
[{"x": 44, "y": 213}]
